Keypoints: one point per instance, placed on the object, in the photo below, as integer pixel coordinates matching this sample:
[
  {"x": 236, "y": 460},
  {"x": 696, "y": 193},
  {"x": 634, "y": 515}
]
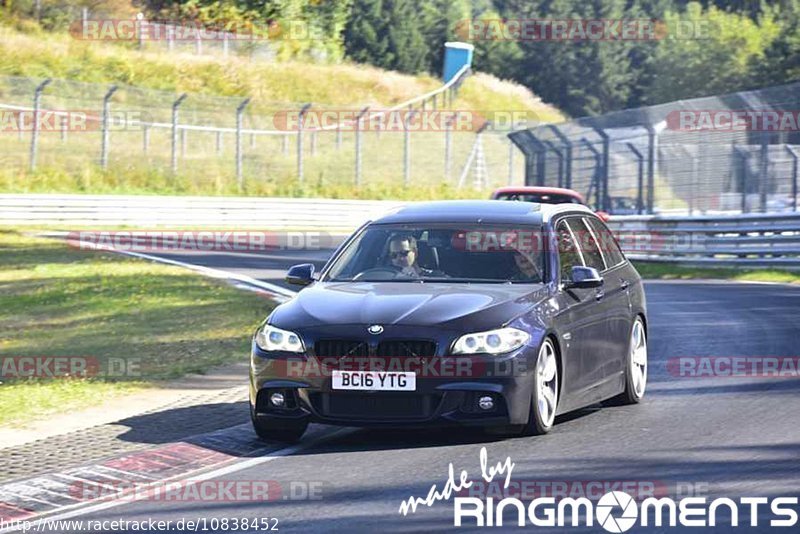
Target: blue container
[{"x": 456, "y": 55}]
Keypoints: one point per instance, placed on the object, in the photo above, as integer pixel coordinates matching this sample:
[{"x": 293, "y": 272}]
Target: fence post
[
  {"x": 64, "y": 128},
  {"x": 184, "y": 136},
  {"x": 37, "y": 100},
  {"x": 300, "y": 170},
  {"x": 239, "y": 114},
  {"x": 448, "y": 148},
  {"x": 511, "y": 149},
  {"x": 795, "y": 157},
  {"x": 567, "y": 155},
  {"x": 358, "y": 146},
  {"x": 744, "y": 166},
  {"x": 602, "y": 189},
  {"x": 219, "y": 143},
  {"x": 145, "y": 139},
  {"x": 175, "y": 106},
  {"x": 763, "y": 171},
  {"x": 105, "y": 136},
  {"x": 407, "y": 147},
  {"x": 640, "y": 177},
  {"x": 225, "y": 44},
  {"x": 140, "y": 29},
  {"x": 652, "y": 143}
]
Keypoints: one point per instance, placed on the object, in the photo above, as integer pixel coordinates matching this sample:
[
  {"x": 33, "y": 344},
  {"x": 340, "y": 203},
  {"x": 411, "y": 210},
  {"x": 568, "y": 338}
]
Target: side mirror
[
  {"x": 584, "y": 278},
  {"x": 300, "y": 275}
]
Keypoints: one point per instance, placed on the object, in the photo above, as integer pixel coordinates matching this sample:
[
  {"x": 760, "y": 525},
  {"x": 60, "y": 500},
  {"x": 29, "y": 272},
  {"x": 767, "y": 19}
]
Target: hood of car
[{"x": 453, "y": 306}]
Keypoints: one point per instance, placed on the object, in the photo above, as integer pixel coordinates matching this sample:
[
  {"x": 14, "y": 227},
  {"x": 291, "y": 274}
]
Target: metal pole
[
  {"x": 744, "y": 157},
  {"x": 407, "y": 148},
  {"x": 795, "y": 158},
  {"x": 763, "y": 178},
  {"x": 303, "y": 111},
  {"x": 511, "y": 149},
  {"x": 448, "y": 149},
  {"x": 602, "y": 189},
  {"x": 338, "y": 136},
  {"x": 225, "y": 44},
  {"x": 105, "y": 138},
  {"x": 239, "y": 120},
  {"x": 183, "y": 142},
  {"x": 145, "y": 139},
  {"x": 64, "y": 128},
  {"x": 175, "y": 106},
  {"x": 141, "y": 27},
  {"x": 37, "y": 99},
  {"x": 652, "y": 143},
  {"x": 219, "y": 143},
  {"x": 640, "y": 177},
  {"x": 567, "y": 155},
  {"x": 358, "y": 146}
]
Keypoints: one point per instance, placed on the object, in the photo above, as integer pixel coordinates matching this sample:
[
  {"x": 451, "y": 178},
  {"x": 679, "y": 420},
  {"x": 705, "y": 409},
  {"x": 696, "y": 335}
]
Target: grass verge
[
  {"x": 674, "y": 272},
  {"x": 161, "y": 321}
]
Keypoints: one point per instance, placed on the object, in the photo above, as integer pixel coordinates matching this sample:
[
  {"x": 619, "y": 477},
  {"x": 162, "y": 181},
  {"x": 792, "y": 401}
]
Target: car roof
[{"x": 477, "y": 211}]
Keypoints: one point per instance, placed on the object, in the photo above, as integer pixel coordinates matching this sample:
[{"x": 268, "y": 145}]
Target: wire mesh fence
[
  {"x": 727, "y": 153},
  {"x": 229, "y": 144}
]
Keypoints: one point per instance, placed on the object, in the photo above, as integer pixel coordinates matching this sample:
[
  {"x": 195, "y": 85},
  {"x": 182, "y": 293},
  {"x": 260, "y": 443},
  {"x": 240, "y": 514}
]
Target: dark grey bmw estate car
[{"x": 496, "y": 314}]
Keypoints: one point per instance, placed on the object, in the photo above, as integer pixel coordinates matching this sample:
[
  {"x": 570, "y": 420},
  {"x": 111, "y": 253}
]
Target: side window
[
  {"x": 608, "y": 245},
  {"x": 587, "y": 244},
  {"x": 568, "y": 254}
]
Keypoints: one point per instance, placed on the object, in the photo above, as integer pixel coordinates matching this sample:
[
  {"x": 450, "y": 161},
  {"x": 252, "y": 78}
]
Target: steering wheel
[{"x": 382, "y": 273}]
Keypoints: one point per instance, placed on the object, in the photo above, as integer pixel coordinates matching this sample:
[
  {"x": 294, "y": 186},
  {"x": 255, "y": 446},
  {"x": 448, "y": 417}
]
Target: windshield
[{"x": 450, "y": 253}]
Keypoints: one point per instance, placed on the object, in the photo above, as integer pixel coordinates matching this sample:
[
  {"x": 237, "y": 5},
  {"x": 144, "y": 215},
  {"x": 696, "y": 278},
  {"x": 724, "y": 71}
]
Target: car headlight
[
  {"x": 274, "y": 339},
  {"x": 491, "y": 342}
]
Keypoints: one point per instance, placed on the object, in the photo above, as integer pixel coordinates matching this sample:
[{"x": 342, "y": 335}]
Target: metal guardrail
[
  {"x": 75, "y": 211},
  {"x": 749, "y": 240}
]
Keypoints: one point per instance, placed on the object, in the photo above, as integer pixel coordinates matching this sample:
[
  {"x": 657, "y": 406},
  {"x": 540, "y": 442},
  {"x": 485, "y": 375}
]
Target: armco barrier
[
  {"x": 749, "y": 240},
  {"x": 72, "y": 211}
]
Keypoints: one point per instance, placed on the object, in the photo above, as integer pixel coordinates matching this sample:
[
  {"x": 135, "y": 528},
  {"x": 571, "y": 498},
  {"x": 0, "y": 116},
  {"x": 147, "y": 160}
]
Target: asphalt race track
[{"x": 719, "y": 436}]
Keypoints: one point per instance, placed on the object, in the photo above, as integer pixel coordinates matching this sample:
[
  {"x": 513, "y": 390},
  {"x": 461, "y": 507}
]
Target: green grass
[
  {"x": 216, "y": 86},
  {"x": 63, "y": 302},
  {"x": 674, "y": 272}
]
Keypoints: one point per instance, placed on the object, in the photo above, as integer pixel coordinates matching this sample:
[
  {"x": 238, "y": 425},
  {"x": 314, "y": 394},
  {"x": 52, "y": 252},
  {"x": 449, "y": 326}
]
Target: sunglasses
[{"x": 401, "y": 254}]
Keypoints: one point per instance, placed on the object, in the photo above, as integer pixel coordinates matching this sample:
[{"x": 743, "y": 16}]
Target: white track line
[
  {"x": 281, "y": 294},
  {"x": 42, "y": 522}
]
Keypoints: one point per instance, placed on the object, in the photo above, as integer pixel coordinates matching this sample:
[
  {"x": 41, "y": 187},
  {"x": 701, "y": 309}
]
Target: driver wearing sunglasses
[{"x": 403, "y": 256}]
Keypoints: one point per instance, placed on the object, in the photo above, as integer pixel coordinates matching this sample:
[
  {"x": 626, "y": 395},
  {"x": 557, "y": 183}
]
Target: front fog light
[
  {"x": 486, "y": 403},
  {"x": 277, "y": 400}
]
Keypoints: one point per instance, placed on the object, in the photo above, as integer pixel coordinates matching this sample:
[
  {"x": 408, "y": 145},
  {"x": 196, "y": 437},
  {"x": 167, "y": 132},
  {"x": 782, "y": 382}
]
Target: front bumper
[{"x": 447, "y": 395}]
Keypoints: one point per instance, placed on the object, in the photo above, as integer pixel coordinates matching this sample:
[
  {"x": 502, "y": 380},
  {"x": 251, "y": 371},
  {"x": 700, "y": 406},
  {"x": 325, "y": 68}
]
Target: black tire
[
  {"x": 631, "y": 395},
  {"x": 284, "y": 431}
]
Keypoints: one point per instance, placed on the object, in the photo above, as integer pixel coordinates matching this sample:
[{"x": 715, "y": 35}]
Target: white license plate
[{"x": 374, "y": 380}]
